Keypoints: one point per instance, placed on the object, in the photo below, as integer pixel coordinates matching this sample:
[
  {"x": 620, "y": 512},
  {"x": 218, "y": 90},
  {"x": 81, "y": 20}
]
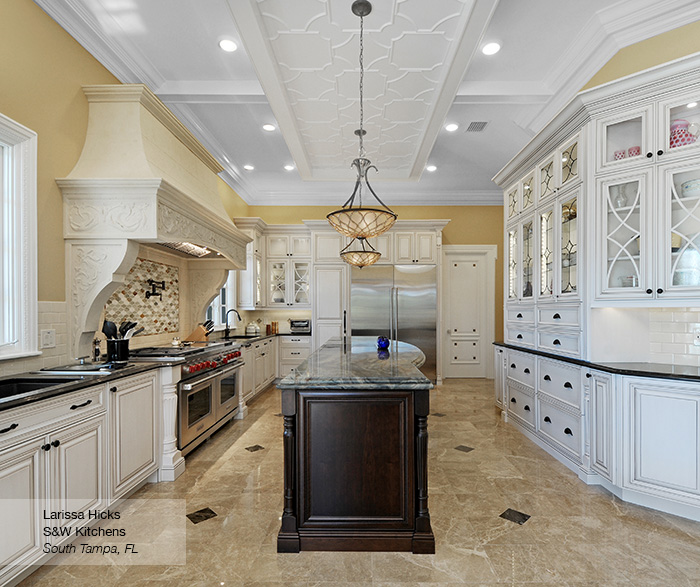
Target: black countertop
[
  {"x": 635, "y": 369},
  {"x": 73, "y": 383}
]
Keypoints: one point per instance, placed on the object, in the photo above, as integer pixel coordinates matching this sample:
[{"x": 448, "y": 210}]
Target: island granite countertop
[{"x": 359, "y": 365}]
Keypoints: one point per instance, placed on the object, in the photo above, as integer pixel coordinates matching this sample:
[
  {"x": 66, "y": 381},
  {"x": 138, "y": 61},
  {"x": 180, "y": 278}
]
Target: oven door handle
[{"x": 215, "y": 375}]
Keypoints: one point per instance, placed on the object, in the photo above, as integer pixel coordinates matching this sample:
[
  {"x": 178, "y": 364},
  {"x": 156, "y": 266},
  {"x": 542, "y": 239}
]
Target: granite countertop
[
  {"x": 635, "y": 369},
  {"x": 335, "y": 366},
  {"x": 245, "y": 340},
  {"x": 67, "y": 383}
]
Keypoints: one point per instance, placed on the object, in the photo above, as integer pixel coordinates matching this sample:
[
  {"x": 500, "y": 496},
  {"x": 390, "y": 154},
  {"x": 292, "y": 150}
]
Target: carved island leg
[
  {"x": 288, "y": 537},
  {"x": 423, "y": 538}
]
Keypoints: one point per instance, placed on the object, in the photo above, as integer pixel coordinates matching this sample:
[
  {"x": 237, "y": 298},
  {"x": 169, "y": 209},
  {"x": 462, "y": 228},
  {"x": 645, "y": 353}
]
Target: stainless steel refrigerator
[{"x": 399, "y": 302}]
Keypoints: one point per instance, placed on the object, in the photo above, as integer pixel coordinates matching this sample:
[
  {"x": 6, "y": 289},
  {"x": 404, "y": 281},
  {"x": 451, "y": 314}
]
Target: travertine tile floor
[{"x": 576, "y": 535}]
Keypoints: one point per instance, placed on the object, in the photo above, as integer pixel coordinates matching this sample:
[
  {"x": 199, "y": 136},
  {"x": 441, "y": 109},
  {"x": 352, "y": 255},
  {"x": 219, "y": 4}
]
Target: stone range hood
[{"x": 141, "y": 178}]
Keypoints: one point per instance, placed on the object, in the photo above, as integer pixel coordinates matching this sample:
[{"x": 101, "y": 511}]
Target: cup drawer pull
[
  {"x": 512, "y": 365},
  {"x": 556, "y": 342},
  {"x": 526, "y": 371},
  {"x": 568, "y": 432},
  {"x": 568, "y": 385},
  {"x": 556, "y": 316},
  {"x": 547, "y": 378},
  {"x": 548, "y": 419},
  {"x": 513, "y": 400},
  {"x": 519, "y": 337},
  {"x": 527, "y": 408},
  {"x": 519, "y": 315}
]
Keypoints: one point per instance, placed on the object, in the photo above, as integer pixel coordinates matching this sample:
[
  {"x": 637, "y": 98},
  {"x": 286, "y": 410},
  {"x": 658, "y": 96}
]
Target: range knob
[
  {"x": 213, "y": 364},
  {"x": 186, "y": 369}
]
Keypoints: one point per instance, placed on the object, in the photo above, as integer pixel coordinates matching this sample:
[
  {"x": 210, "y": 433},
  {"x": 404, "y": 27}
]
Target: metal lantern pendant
[{"x": 353, "y": 219}]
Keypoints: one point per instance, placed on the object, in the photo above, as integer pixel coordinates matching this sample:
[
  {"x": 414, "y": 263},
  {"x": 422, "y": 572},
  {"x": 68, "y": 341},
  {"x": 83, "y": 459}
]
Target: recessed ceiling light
[
  {"x": 289, "y": 167},
  {"x": 490, "y": 48},
  {"x": 692, "y": 105},
  {"x": 269, "y": 127},
  {"x": 248, "y": 167},
  {"x": 431, "y": 168},
  {"x": 228, "y": 45},
  {"x": 451, "y": 127}
]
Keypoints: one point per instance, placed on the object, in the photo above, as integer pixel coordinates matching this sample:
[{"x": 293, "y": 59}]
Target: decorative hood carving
[{"x": 141, "y": 178}]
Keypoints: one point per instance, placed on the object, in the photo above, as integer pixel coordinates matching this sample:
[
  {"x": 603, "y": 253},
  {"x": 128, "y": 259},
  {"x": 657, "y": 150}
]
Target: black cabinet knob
[
  {"x": 512, "y": 365},
  {"x": 547, "y": 378},
  {"x": 650, "y": 291},
  {"x": 547, "y": 419},
  {"x": 588, "y": 375},
  {"x": 556, "y": 342},
  {"x": 519, "y": 315},
  {"x": 527, "y": 408},
  {"x": 659, "y": 291},
  {"x": 568, "y": 385},
  {"x": 556, "y": 316},
  {"x": 46, "y": 447},
  {"x": 650, "y": 154},
  {"x": 526, "y": 370},
  {"x": 113, "y": 389},
  {"x": 659, "y": 152},
  {"x": 568, "y": 432},
  {"x": 513, "y": 401},
  {"x": 519, "y": 337},
  {"x": 56, "y": 443}
]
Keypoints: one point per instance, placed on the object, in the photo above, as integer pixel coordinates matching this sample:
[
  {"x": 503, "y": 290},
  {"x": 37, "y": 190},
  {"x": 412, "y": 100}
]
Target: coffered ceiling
[{"x": 297, "y": 68}]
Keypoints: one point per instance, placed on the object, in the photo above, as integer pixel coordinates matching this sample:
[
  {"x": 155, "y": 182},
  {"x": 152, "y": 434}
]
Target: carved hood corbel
[{"x": 167, "y": 191}]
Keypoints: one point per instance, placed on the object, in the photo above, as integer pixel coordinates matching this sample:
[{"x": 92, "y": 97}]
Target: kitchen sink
[
  {"x": 19, "y": 385},
  {"x": 84, "y": 369}
]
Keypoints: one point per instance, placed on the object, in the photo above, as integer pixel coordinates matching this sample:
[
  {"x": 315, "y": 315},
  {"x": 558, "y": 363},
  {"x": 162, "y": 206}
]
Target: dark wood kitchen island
[{"x": 355, "y": 450}]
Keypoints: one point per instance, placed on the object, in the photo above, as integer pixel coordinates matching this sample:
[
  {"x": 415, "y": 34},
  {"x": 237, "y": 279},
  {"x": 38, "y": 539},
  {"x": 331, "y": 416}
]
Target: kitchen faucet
[{"x": 227, "y": 330}]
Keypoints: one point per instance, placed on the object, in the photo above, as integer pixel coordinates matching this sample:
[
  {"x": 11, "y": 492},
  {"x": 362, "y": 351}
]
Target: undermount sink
[
  {"x": 82, "y": 369},
  {"x": 20, "y": 385}
]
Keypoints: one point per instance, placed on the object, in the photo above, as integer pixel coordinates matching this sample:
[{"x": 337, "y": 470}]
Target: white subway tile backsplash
[{"x": 678, "y": 324}]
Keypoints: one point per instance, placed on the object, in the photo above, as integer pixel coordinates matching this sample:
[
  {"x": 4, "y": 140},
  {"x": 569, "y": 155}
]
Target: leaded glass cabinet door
[
  {"x": 528, "y": 193},
  {"x": 527, "y": 260},
  {"x": 568, "y": 238},
  {"x": 301, "y": 273},
  {"x": 680, "y": 241},
  {"x": 546, "y": 252},
  {"x": 513, "y": 256},
  {"x": 547, "y": 180},
  {"x": 277, "y": 283},
  {"x": 512, "y": 202},
  {"x": 624, "y": 270},
  {"x": 569, "y": 163}
]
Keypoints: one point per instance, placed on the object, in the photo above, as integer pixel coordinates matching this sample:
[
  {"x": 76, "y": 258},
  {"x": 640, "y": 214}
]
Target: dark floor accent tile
[
  {"x": 254, "y": 448},
  {"x": 201, "y": 515},
  {"x": 515, "y": 516},
  {"x": 438, "y": 415},
  {"x": 464, "y": 448}
]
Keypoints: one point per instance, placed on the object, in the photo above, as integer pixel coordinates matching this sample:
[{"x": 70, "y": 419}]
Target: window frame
[
  {"x": 18, "y": 234},
  {"x": 215, "y": 305}
]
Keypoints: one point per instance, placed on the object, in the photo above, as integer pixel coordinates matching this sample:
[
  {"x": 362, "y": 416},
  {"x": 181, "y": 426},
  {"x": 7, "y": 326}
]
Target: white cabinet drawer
[
  {"x": 560, "y": 316},
  {"x": 558, "y": 342},
  {"x": 295, "y": 340},
  {"x": 560, "y": 381},
  {"x": 521, "y": 335},
  {"x": 17, "y": 423},
  {"x": 521, "y": 405},
  {"x": 521, "y": 315},
  {"x": 560, "y": 428},
  {"x": 521, "y": 367},
  {"x": 294, "y": 354}
]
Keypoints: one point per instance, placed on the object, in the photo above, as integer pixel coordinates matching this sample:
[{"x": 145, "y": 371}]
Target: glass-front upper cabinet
[
  {"x": 559, "y": 248},
  {"x": 559, "y": 170},
  {"x": 527, "y": 260},
  {"x": 527, "y": 192},
  {"x": 622, "y": 239},
  {"x": 568, "y": 239},
  {"x": 512, "y": 202},
  {"x": 625, "y": 139},
  {"x": 569, "y": 162},
  {"x": 277, "y": 283},
  {"x": 288, "y": 283},
  {"x": 679, "y": 271},
  {"x": 679, "y": 125},
  {"x": 513, "y": 255},
  {"x": 301, "y": 277}
]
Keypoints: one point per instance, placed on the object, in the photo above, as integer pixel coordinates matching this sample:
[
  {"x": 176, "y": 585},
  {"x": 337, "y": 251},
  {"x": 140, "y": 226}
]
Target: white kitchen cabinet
[
  {"x": 288, "y": 283},
  {"x": 329, "y": 303},
  {"x": 383, "y": 244},
  {"x": 602, "y": 415},
  {"x": 270, "y": 354},
  {"x": 499, "y": 377},
  {"x": 134, "y": 423},
  {"x": 293, "y": 350},
  {"x": 251, "y": 279},
  {"x": 22, "y": 487},
  {"x": 415, "y": 247},
  {"x": 52, "y": 457},
  {"x": 662, "y": 444},
  {"x": 259, "y": 369},
  {"x": 327, "y": 245},
  {"x": 288, "y": 245}
]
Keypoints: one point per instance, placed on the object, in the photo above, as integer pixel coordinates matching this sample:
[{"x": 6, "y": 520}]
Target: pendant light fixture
[{"x": 353, "y": 219}]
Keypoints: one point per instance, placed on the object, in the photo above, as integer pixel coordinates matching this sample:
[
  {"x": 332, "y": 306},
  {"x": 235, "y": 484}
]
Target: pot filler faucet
[{"x": 227, "y": 330}]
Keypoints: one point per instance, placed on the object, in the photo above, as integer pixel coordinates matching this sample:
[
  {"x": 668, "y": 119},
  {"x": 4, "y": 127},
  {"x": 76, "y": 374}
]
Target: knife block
[{"x": 199, "y": 334}]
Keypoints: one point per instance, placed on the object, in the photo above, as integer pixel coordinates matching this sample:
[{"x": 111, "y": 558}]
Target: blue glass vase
[{"x": 382, "y": 343}]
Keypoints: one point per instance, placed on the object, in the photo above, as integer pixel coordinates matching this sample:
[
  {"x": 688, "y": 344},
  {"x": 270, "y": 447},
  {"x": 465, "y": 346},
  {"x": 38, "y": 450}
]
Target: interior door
[{"x": 465, "y": 343}]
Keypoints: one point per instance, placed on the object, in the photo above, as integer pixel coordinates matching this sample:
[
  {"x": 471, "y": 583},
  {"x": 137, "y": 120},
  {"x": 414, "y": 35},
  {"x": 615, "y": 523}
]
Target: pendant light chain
[{"x": 362, "y": 86}]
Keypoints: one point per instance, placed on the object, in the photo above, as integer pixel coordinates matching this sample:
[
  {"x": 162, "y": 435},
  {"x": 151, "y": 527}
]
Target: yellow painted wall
[
  {"x": 660, "y": 49},
  {"x": 470, "y": 225},
  {"x": 42, "y": 69},
  {"x": 234, "y": 205}
]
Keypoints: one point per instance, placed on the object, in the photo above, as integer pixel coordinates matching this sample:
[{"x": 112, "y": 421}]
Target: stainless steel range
[{"x": 209, "y": 387}]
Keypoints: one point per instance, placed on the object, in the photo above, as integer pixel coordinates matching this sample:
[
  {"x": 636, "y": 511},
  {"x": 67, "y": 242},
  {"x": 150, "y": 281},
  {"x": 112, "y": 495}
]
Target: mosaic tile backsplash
[{"x": 156, "y": 315}]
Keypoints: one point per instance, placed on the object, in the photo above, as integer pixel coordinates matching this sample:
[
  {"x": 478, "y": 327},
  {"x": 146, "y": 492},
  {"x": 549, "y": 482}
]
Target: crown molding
[{"x": 116, "y": 57}]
